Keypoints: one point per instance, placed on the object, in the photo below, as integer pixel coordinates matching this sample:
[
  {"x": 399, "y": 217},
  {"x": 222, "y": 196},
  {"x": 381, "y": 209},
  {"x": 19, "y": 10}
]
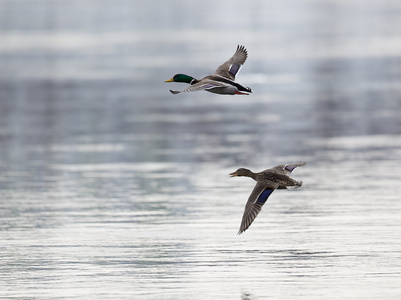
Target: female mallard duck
[
  {"x": 266, "y": 182},
  {"x": 222, "y": 81}
]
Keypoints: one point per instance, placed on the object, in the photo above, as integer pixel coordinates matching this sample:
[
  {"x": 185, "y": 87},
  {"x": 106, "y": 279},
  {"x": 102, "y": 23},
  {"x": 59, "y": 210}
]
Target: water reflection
[
  {"x": 246, "y": 296},
  {"x": 363, "y": 110}
]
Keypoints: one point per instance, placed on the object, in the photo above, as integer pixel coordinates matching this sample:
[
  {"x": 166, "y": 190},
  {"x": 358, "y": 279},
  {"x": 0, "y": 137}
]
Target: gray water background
[{"x": 112, "y": 188}]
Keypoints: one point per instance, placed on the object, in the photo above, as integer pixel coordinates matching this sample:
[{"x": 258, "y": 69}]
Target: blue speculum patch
[
  {"x": 263, "y": 196},
  {"x": 234, "y": 69},
  {"x": 289, "y": 168}
]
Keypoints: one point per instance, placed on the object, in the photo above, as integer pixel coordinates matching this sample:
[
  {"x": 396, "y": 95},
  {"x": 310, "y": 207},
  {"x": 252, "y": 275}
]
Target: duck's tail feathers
[{"x": 295, "y": 186}]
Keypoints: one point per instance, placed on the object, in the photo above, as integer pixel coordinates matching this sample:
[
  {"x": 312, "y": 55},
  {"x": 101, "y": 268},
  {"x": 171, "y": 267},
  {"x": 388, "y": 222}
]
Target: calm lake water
[{"x": 112, "y": 188}]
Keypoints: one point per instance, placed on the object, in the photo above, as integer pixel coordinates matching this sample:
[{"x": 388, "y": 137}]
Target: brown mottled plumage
[{"x": 266, "y": 182}]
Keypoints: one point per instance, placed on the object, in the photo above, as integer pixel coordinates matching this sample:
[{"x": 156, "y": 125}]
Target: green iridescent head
[{"x": 180, "y": 78}]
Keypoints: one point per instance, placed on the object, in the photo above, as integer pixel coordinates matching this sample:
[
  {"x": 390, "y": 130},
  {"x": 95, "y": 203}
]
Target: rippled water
[{"x": 111, "y": 187}]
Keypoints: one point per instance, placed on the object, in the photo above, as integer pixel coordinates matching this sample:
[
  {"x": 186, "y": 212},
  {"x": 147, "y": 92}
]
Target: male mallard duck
[
  {"x": 222, "y": 81},
  {"x": 266, "y": 182}
]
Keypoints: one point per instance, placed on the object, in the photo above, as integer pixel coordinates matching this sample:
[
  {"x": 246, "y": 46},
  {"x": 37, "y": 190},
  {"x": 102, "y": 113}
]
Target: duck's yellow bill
[{"x": 169, "y": 80}]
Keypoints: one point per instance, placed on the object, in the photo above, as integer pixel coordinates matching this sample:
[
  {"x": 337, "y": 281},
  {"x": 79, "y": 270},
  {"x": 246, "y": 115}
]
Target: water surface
[{"x": 113, "y": 188}]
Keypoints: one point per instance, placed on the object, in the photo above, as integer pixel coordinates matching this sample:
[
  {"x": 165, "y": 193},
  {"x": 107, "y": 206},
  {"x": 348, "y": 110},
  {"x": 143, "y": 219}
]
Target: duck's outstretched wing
[
  {"x": 287, "y": 169},
  {"x": 200, "y": 86},
  {"x": 231, "y": 67},
  {"x": 256, "y": 200}
]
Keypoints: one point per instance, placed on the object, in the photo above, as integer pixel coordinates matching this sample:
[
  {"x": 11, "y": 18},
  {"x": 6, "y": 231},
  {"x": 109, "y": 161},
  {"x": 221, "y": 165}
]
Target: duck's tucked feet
[{"x": 174, "y": 92}]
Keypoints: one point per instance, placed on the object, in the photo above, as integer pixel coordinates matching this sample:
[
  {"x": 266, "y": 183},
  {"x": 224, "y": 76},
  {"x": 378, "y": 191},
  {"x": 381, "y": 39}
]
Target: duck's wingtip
[
  {"x": 174, "y": 92},
  {"x": 241, "y": 47},
  {"x": 241, "y": 230}
]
